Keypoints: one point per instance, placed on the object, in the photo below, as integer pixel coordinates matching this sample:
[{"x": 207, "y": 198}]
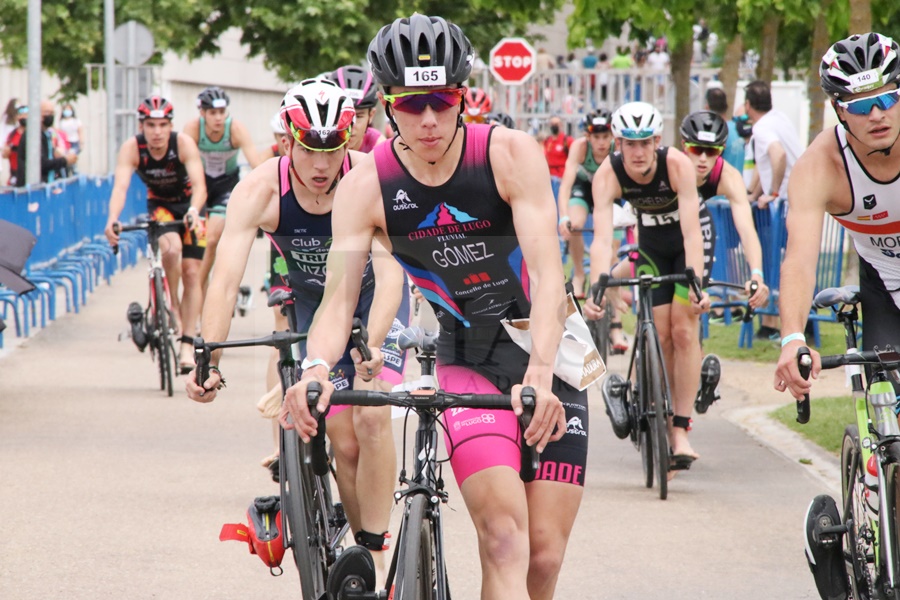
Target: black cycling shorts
[
  {"x": 218, "y": 192},
  {"x": 192, "y": 243}
]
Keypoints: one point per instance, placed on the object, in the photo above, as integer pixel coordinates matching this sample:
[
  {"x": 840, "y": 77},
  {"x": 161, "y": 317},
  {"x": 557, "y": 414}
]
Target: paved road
[{"x": 112, "y": 490}]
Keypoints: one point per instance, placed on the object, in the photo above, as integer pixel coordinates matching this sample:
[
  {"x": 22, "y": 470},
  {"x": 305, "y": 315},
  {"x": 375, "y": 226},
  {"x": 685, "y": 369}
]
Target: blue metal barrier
[{"x": 67, "y": 217}]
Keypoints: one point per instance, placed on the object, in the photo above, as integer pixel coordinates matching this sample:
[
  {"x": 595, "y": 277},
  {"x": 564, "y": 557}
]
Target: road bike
[
  {"x": 314, "y": 524},
  {"x": 862, "y": 539},
  {"x": 418, "y": 570},
  {"x": 645, "y": 391},
  {"x": 159, "y": 322}
]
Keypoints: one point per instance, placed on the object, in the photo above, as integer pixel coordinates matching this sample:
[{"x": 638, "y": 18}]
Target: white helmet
[
  {"x": 277, "y": 124},
  {"x": 318, "y": 114},
  {"x": 637, "y": 121}
]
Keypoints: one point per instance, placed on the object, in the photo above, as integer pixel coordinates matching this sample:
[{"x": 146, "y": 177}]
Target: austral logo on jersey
[
  {"x": 869, "y": 202},
  {"x": 447, "y": 220},
  {"x": 402, "y": 201}
]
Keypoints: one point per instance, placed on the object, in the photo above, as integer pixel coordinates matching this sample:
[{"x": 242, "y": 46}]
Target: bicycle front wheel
[
  {"x": 656, "y": 400},
  {"x": 600, "y": 333},
  {"x": 416, "y": 566},
  {"x": 890, "y": 545},
  {"x": 859, "y": 547},
  {"x": 165, "y": 351},
  {"x": 302, "y": 517}
]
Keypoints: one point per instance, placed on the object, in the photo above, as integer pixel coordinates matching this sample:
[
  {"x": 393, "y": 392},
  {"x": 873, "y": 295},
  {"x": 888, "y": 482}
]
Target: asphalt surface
[{"x": 110, "y": 489}]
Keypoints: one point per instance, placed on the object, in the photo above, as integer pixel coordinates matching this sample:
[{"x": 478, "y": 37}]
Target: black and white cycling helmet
[
  {"x": 318, "y": 114},
  {"x": 420, "y": 51},
  {"x": 598, "y": 121},
  {"x": 637, "y": 121},
  {"x": 501, "y": 118},
  {"x": 705, "y": 128},
  {"x": 213, "y": 97},
  {"x": 358, "y": 83},
  {"x": 860, "y": 63}
]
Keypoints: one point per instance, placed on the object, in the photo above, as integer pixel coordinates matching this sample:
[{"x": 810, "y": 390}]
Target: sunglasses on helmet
[
  {"x": 637, "y": 134},
  {"x": 597, "y": 127},
  {"x": 700, "y": 149},
  {"x": 863, "y": 106},
  {"x": 415, "y": 102}
]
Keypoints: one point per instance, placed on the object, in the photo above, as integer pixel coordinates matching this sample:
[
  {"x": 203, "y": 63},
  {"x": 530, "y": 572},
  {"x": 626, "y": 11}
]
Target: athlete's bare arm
[
  {"x": 731, "y": 185},
  {"x": 192, "y": 129},
  {"x": 815, "y": 181},
  {"x": 683, "y": 179},
  {"x": 189, "y": 155},
  {"x": 240, "y": 138},
  {"x": 577, "y": 154},
  {"x": 126, "y": 163},
  {"x": 523, "y": 180},
  {"x": 605, "y": 189},
  {"x": 257, "y": 206},
  {"x": 389, "y": 279}
]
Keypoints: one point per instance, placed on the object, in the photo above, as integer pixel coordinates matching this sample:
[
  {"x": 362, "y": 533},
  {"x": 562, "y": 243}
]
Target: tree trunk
[
  {"x": 731, "y": 62},
  {"x": 820, "y": 44},
  {"x": 765, "y": 70},
  {"x": 860, "y": 16},
  {"x": 682, "y": 54}
]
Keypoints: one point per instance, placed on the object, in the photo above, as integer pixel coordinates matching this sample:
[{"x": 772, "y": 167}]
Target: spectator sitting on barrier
[{"x": 50, "y": 163}]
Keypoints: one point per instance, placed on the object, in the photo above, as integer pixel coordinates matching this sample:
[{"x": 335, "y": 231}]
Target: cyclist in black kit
[
  {"x": 463, "y": 208},
  {"x": 169, "y": 164},
  {"x": 674, "y": 232}
]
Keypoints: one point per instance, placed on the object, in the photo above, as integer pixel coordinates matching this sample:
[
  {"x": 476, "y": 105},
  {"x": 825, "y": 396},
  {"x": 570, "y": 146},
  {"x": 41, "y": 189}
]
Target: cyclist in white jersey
[{"x": 853, "y": 174}]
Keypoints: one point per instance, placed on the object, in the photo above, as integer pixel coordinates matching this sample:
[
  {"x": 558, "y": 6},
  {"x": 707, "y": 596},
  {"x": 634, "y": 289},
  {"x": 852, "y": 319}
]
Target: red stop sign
[{"x": 512, "y": 61}]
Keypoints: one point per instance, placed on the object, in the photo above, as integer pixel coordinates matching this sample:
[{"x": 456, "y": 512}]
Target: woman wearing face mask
[
  {"x": 9, "y": 137},
  {"x": 72, "y": 128}
]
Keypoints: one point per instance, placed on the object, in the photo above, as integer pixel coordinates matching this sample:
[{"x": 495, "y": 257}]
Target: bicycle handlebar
[
  {"x": 202, "y": 350},
  {"x": 606, "y": 281},
  {"x": 360, "y": 337},
  {"x": 889, "y": 359},
  {"x": 804, "y": 363},
  {"x": 148, "y": 225},
  {"x": 754, "y": 287}
]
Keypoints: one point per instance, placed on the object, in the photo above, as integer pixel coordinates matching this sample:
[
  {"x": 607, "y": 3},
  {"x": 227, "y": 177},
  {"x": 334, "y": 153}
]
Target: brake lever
[
  {"x": 531, "y": 461},
  {"x": 804, "y": 364}
]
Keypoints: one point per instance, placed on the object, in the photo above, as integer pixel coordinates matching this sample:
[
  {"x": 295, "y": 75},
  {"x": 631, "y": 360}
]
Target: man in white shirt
[{"x": 775, "y": 143}]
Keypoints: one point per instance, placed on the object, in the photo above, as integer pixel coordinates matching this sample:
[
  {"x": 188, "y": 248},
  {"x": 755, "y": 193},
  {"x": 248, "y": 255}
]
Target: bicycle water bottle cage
[{"x": 263, "y": 534}]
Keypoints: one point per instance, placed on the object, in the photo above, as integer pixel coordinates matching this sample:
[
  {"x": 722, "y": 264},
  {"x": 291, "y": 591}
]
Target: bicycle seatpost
[{"x": 804, "y": 364}]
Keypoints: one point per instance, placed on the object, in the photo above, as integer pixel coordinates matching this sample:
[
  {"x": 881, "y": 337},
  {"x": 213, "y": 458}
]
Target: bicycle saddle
[
  {"x": 280, "y": 296},
  {"x": 626, "y": 250},
  {"x": 416, "y": 337}
]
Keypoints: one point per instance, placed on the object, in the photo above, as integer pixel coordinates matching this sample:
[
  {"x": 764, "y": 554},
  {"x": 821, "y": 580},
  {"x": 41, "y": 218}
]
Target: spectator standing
[
  {"x": 556, "y": 151},
  {"x": 776, "y": 145},
  {"x": 658, "y": 61},
  {"x": 590, "y": 59},
  {"x": 603, "y": 75},
  {"x": 623, "y": 60},
  {"x": 72, "y": 127},
  {"x": 572, "y": 62},
  {"x": 51, "y": 164},
  {"x": 10, "y": 131},
  {"x": 717, "y": 102},
  {"x": 9, "y": 120},
  {"x": 544, "y": 60}
]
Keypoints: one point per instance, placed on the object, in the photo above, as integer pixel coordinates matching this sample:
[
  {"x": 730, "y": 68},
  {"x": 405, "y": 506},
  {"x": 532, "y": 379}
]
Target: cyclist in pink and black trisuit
[
  {"x": 291, "y": 198},
  {"x": 469, "y": 213},
  {"x": 360, "y": 86}
]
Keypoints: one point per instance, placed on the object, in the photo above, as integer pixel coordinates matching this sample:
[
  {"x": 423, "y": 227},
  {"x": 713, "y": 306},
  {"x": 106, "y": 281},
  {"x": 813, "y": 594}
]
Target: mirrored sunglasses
[
  {"x": 699, "y": 150},
  {"x": 637, "y": 134},
  {"x": 863, "y": 106},
  {"x": 415, "y": 102},
  {"x": 594, "y": 128},
  {"x": 321, "y": 141}
]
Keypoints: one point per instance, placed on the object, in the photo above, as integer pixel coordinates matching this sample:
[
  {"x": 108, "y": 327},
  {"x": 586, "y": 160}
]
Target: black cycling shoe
[
  {"x": 824, "y": 550},
  {"x": 613, "y": 392},
  {"x": 710, "y": 372},
  {"x": 352, "y": 575},
  {"x": 135, "y": 316}
]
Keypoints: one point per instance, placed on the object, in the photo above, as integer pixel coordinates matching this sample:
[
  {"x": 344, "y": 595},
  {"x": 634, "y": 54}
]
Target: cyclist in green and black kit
[{"x": 220, "y": 137}]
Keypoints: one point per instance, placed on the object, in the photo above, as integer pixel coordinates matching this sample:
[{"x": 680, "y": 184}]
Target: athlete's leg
[
  {"x": 215, "y": 224},
  {"x": 578, "y": 215},
  {"x": 552, "y": 508},
  {"x": 346, "y": 457},
  {"x": 273, "y": 382},
  {"x": 498, "y": 505},
  {"x": 684, "y": 373}
]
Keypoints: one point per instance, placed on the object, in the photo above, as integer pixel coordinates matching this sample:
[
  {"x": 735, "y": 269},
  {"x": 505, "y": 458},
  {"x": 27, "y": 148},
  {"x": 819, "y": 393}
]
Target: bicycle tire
[
  {"x": 859, "y": 554},
  {"x": 657, "y": 403},
  {"x": 301, "y": 515},
  {"x": 640, "y": 426},
  {"x": 600, "y": 334},
  {"x": 889, "y": 537},
  {"x": 416, "y": 567},
  {"x": 163, "y": 339}
]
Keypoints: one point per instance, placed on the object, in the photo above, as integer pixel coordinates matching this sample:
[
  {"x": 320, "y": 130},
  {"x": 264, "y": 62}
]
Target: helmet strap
[
  {"x": 334, "y": 183},
  {"x": 459, "y": 125},
  {"x": 885, "y": 151}
]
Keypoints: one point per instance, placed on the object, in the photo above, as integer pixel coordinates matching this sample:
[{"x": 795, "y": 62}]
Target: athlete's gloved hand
[
  {"x": 295, "y": 410},
  {"x": 549, "y": 421},
  {"x": 787, "y": 375},
  {"x": 368, "y": 369}
]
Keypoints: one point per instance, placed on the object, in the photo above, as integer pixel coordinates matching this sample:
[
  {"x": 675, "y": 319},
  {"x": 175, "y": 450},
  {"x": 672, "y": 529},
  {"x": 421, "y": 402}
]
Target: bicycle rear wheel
[
  {"x": 657, "y": 404},
  {"x": 165, "y": 350},
  {"x": 416, "y": 566},
  {"x": 859, "y": 549}
]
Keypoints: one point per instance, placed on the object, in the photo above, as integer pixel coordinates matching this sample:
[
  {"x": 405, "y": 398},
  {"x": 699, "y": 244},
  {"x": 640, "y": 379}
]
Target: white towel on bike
[{"x": 578, "y": 362}]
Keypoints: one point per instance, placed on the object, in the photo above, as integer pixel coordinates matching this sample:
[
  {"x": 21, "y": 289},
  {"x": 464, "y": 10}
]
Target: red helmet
[
  {"x": 478, "y": 103},
  {"x": 155, "y": 107}
]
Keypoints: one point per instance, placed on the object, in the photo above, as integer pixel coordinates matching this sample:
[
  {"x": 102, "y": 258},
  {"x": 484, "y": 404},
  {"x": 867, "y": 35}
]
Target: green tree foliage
[{"x": 296, "y": 38}]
